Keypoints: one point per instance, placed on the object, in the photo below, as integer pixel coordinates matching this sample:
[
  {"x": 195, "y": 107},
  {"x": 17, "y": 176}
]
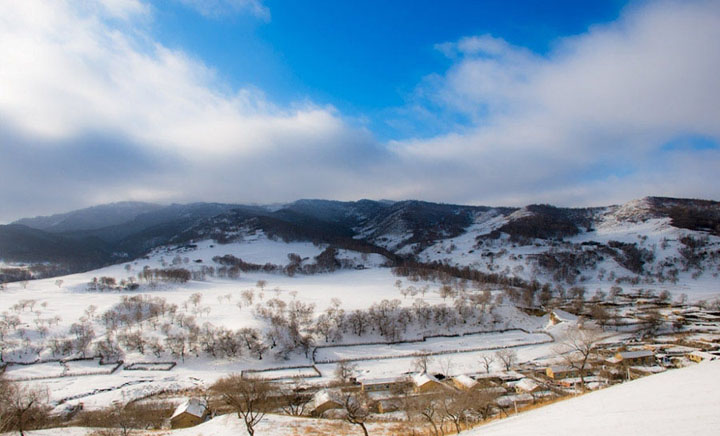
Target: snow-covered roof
[
  {"x": 502, "y": 375},
  {"x": 509, "y": 400},
  {"x": 192, "y": 406},
  {"x": 527, "y": 385},
  {"x": 422, "y": 378},
  {"x": 577, "y": 380},
  {"x": 380, "y": 381},
  {"x": 465, "y": 381},
  {"x": 322, "y": 397},
  {"x": 636, "y": 354},
  {"x": 557, "y": 369},
  {"x": 564, "y": 316}
]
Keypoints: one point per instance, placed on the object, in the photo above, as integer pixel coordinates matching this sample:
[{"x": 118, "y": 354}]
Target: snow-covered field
[
  {"x": 480, "y": 341},
  {"x": 58, "y": 303},
  {"x": 678, "y": 402}
]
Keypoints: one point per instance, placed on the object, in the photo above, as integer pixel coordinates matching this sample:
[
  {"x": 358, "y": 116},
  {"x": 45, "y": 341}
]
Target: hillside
[
  {"x": 90, "y": 218},
  {"x": 649, "y": 241}
]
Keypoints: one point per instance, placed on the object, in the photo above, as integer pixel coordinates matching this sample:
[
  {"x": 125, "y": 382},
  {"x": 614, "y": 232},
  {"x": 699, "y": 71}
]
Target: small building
[
  {"x": 423, "y": 382},
  {"x": 635, "y": 358},
  {"x": 514, "y": 400},
  {"x": 382, "y": 384},
  {"x": 190, "y": 413},
  {"x": 558, "y": 372},
  {"x": 323, "y": 401},
  {"x": 464, "y": 382},
  {"x": 527, "y": 385},
  {"x": 699, "y": 356},
  {"x": 557, "y": 316},
  {"x": 497, "y": 377},
  {"x": 590, "y": 381}
]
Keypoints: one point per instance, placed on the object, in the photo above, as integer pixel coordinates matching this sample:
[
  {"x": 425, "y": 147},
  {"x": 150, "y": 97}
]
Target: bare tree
[
  {"x": 486, "y": 361},
  {"x": 483, "y": 400},
  {"x": 357, "y": 409},
  {"x": 579, "y": 346},
  {"x": 248, "y": 397},
  {"x": 456, "y": 406},
  {"x": 345, "y": 371},
  {"x": 507, "y": 357},
  {"x": 294, "y": 400},
  {"x": 4, "y": 409},
  {"x": 600, "y": 315},
  {"x": 420, "y": 363},
  {"x": 429, "y": 408},
  {"x": 653, "y": 322},
  {"x": 248, "y": 296},
  {"x": 446, "y": 366},
  {"x": 22, "y": 408}
]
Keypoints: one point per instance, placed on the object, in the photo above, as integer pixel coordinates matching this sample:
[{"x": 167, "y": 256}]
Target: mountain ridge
[{"x": 401, "y": 228}]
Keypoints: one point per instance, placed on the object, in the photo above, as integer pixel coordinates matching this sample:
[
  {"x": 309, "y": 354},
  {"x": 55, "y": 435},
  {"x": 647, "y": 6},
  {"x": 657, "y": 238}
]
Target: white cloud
[
  {"x": 610, "y": 97},
  {"x": 93, "y": 109},
  {"x": 73, "y": 74},
  {"x": 216, "y": 8}
]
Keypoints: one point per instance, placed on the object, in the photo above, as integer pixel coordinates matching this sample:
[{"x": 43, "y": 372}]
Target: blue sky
[
  {"x": 265, "y": 101},
  {"x": 362, "y": 57}
]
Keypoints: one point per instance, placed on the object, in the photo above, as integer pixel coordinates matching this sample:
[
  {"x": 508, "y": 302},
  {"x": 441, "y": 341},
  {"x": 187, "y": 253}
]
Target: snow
[
  {"x": 432, "y": 345},
  {"x": 253, "y": 249},
  {"x": 527, "y": 385},
  {"x": 193, "y": 406},
  {"x": 82, "y": 381},
  {"x": 421, "y": 379},
  {"x": 683, "y": 401},
  {"x": 231, "y": 425},
  {"x": 635, "y": 354},
  {"x": 631, "y": 223},
  {"x": 561, "y": 315},
  {"x": 465, "y": 381}
]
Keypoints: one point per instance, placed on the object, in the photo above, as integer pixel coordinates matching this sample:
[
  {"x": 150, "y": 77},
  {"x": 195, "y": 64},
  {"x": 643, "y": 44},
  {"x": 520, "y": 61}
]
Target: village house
[
  {"x": 557, "y": 316},
  {"x": 557, "y": 372},
  {"x": 189, "y": 414},
  {"x": 423, "y": 382},
  {"x": 699, "y": 356},
  {"x": 633, "y": 358},
  {"x": 591, "y": 382},
  {"x": 464, "y": 382},
  {"x": 323, "y": 401},
  {"x": 383, "y": 384},
  {"x": 526, "y": 385}
]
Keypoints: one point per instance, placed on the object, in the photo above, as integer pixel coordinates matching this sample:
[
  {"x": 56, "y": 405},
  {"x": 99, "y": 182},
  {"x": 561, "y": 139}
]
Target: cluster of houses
[
  {"x": 524, "y": 385},
  {"x": 508, "y": 387},
  {"x": 528, "y": 382}
]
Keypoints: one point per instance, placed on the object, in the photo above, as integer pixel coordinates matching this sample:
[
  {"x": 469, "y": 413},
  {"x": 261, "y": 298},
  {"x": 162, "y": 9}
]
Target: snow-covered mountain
[{"x": 652, "y": 239}]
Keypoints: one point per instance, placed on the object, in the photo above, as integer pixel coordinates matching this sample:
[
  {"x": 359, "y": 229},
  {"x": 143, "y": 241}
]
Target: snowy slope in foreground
[{"x": 684, "y": 401}]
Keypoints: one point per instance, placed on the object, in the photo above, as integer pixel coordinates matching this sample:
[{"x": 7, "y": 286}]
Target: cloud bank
[{"x": 92, "y": 109}]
